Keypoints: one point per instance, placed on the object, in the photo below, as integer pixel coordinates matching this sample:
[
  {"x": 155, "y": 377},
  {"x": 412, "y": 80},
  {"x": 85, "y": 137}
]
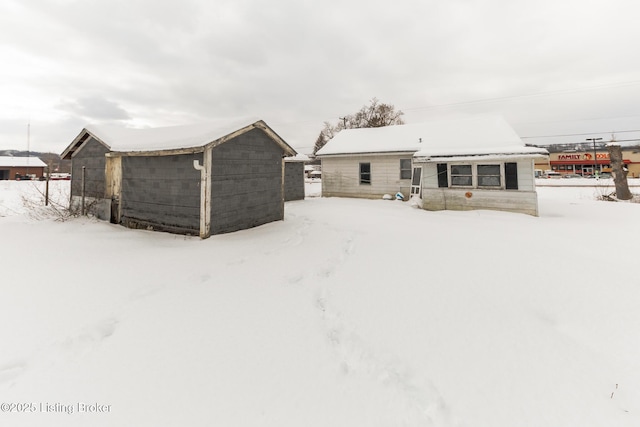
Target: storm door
[{"x": 416, "y": 180}]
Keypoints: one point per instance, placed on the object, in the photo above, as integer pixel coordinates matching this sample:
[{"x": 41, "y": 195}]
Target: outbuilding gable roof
[
  {"x": 190, "y": 138},
  {"x": 301, "y": 158},
  {"x": 21, "y": 162},
  {"x": 485, "y": 134}
]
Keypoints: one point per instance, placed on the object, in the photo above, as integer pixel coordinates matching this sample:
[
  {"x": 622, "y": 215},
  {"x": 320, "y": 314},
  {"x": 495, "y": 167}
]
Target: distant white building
[{"x": 473, "y": 163}]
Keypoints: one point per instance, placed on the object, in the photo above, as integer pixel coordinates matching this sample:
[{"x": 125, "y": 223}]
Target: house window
[
  {"x": 511, "y": 176},
  {"x": 405, "y": 168},
  {"x": 461, "y": 176},
  {"x": 489, "y": 176},
  {"x": 443, "y": 177},
  {"x": 365, "y": 173},
  {"x": 479, "y": 176}
]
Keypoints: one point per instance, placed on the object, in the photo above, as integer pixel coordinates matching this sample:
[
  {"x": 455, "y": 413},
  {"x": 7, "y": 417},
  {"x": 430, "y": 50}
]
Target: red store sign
[
  {"x": 583, "y": 156},
  {"x": 583, "y": 159}
]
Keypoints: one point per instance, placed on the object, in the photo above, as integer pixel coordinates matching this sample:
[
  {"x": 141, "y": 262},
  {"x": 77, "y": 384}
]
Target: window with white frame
[
  {"x": 489, "y": 176},
  {"x": 405, "y": 168},
  {"x": 461, "y": 176},
  {"x": 365, "y": 173},
  {"x": 497, "y": 175}
]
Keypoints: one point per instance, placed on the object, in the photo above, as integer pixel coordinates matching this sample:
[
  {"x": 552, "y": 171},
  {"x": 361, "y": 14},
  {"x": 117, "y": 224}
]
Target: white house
[
  {"x": 369, "y": 162},
  {"x": 472, "y": 163}
]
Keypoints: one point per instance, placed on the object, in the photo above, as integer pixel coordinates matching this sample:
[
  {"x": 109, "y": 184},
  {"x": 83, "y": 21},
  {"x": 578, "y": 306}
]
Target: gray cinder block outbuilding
[
  {"x": 200, "y": 180},
  {"x": 294, "y": 177}
]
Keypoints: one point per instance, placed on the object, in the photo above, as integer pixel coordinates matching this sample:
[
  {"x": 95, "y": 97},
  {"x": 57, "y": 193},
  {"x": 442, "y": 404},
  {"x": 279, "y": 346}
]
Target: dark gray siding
[
  {"x": 293, "y": 181},
  {"x": 92, "y": 157},
  {"x": 246, "y": 183},
  {"x": 161, "y": 192}
]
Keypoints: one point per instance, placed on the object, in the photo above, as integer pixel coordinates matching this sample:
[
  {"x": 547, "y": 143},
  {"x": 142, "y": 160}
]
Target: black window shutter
[
  {"x": 443, "y": 179},
  {"x": 511, "y": 176}
]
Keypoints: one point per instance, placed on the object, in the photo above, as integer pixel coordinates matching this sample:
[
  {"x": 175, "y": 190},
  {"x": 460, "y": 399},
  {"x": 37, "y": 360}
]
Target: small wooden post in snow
[
  {"x": 84, "y": 169},
  {"x": 46, "y": 188}
]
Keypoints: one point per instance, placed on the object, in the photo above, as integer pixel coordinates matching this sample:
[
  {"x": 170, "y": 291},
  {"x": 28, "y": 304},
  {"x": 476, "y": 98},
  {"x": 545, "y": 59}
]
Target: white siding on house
[
  {"x": 341, "y": 176},
  {"x": 437, "y": 199},
  {"x": 526, "y": 181},
  {"x": 522, "y": 200}
]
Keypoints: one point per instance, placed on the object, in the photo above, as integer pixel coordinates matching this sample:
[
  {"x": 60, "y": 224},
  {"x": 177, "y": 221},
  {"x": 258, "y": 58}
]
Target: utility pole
[
  {"x": 28, "y": 145},
  {"x": 344, "y": 120},
  {"x": 595, "y": 155}
]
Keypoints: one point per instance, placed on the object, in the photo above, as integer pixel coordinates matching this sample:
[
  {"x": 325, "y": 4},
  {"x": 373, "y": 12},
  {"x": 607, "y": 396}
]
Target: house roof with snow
[
  {"x": 21, "y": 162},
  {"x": 174, "y": 139},
  {"x": 479, "y": 135}
]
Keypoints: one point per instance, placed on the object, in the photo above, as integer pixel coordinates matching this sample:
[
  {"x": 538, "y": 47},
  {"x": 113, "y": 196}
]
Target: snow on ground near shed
[
  {"x": 27, "y": 197},
  {"x": 348, "y": 313}
]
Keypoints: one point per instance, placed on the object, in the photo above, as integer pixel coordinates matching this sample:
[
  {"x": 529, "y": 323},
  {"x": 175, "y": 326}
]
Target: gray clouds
[
  {"x": 95, "y": 108},
  {"x": 299, "y": 63}
]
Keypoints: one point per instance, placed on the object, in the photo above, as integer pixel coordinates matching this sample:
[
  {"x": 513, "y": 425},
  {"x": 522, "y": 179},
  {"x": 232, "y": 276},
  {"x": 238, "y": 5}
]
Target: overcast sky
[{"x": 549, "y": 66}]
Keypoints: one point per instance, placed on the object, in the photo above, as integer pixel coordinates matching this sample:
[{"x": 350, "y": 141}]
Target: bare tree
[
  {"x": 319, "y": 142},
  {"x": 619, "y": 172},
  {"x": 374, "y": 115}
]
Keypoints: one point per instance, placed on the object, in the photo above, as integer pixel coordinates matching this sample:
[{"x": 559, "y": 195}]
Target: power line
[
  {"x": 580, "y": 120},
  {"x": 496, "y": 99},
  {"x": 578, "y": 134},
  {"x": 505, "y": 98},
  {"x": 301, "y": 123}
]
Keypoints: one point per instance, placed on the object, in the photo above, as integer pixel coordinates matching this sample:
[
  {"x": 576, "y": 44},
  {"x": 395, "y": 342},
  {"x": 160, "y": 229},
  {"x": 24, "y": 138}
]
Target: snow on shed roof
[
  {"x": 485, "y": 134},
  {"x": 167, "y": 138},
  {"x": 20, "y": 162},
  {"x": 126, "y": 140},
  {"x": 297, "y": 158}
]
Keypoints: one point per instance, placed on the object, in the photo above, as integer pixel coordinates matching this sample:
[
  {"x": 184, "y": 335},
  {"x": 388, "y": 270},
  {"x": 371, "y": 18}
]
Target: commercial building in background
[
  {"x": 21, "y": 168},
  {"x": 571, "y": 161}
]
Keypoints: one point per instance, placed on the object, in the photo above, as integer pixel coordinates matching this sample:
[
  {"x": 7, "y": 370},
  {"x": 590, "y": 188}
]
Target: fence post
[
  {"x": 84, "y": 169},
  {"x": 46, "y": 192}
]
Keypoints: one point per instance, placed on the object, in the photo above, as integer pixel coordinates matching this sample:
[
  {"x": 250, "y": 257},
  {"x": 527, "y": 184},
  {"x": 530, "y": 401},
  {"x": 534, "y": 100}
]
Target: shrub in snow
[{"x": 32, "y": 200}]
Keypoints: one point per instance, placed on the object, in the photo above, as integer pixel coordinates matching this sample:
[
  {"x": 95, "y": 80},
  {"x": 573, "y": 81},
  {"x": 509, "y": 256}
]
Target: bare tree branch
[{"x": 374, "y": 115}]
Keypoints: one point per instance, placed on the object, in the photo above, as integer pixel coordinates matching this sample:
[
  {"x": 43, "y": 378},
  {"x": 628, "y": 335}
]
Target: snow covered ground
[{"x": 348, "y": 313}]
